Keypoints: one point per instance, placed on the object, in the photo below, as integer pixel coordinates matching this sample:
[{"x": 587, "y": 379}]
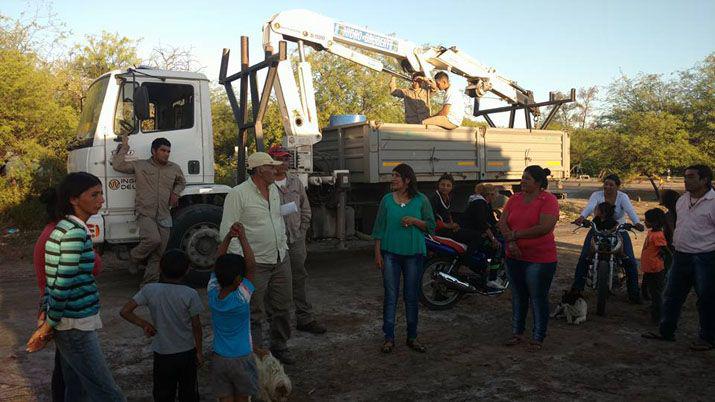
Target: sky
[{"x": 543, "y": 45}]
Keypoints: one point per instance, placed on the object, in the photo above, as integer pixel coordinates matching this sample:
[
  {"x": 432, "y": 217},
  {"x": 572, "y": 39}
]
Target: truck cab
[{"x": 177, "y": 107}]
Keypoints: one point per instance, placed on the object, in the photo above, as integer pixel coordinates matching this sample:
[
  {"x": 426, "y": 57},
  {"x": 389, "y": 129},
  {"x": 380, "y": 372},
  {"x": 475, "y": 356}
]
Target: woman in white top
[{"x": 620, "y": 200}]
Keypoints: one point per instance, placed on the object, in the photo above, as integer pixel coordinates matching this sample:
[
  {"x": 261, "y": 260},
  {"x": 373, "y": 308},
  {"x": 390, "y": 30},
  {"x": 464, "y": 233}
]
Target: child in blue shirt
[{"x": 233, "y": 369}]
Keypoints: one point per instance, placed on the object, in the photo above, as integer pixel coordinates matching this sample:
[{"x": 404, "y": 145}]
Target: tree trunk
[{"x": 655, "y": 186}]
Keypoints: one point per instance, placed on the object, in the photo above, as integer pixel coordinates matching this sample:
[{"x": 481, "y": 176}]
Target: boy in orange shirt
[{"x": 652, "y": 261}]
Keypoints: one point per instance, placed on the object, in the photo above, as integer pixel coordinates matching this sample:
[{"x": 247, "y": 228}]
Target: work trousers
[
  {"x": 271, "y": 300},
  {"x": 154, "y": 239}
]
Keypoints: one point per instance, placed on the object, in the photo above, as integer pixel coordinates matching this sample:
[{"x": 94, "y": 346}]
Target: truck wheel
[{"x": 196, "y": 232}]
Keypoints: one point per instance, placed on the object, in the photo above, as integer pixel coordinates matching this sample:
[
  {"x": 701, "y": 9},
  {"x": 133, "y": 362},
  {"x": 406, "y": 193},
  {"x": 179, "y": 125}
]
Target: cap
[
  {"x": 277, "y": 151},
  {"x": 257, "y": 159}
]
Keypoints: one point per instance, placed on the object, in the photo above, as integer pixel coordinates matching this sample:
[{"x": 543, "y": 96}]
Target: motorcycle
[
  {"x": 441, "y": 286},
  {"x": 606, "y": 272}
]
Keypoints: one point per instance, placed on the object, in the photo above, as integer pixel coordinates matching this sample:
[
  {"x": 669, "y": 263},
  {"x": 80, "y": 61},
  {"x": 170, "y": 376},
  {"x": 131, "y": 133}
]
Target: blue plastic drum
[{"x": 343, "y": 119}]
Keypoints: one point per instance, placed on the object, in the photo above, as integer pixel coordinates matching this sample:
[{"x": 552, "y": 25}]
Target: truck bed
[{"x": 370, "y": 150}]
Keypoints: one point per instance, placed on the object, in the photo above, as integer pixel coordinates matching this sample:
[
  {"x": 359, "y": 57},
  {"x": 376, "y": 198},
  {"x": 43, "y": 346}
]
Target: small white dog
[
  {"x": 273, "y": 383},
  {"x": 573, "y": 306}
]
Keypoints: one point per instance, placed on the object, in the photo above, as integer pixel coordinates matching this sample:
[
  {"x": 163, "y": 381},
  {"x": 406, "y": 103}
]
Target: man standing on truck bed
[
  {"x": 297, "y": 223},
  {"x": 158, "y": 185},
  {"x": 452, "y": 112},
  {"x": 416, "y": 98}
]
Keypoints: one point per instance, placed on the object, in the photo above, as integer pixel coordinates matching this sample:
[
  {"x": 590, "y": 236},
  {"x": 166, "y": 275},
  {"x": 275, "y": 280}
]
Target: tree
[
  {"x": 34, "y": 131},
  {"x": 642, "y": 94},
  {"x": 225, "y": 133},
  {"x": 695, "y": 98},
  {"x": 585, "y": 99},
  {"x": 343, "y": 87},
  {"x": 37, "y": 31},
  {"x": 174, "y": 58},
  {"x": 103, "y": 53},
  {"x": 576, "y": 114},
  {"x": 655, "y": 142}
]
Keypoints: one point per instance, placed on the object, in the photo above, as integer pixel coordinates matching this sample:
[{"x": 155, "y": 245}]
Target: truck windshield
[{"x": 90, "y": 112}]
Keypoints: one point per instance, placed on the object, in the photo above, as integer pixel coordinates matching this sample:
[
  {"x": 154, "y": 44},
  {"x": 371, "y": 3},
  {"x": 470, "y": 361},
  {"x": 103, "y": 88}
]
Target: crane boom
[{"x": 307, "y": 28}]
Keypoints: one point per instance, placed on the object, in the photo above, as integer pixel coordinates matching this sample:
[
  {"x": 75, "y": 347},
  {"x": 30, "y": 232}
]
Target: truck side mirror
[{"x": 141, "y": 103}]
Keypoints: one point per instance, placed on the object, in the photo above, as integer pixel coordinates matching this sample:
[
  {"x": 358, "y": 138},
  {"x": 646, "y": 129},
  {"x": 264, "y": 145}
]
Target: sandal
[
  {"x": 514, "y": 340},
  {"x": 416, "y": 346},
  {"x": 701, "y": 346},
  {"x": 388, "y": 346},
  {"x": 658, "y": 337}
]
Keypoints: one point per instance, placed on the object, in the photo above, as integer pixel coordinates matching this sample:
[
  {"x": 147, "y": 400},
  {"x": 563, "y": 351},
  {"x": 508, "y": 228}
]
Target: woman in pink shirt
[{"x": 527, "y": 224}]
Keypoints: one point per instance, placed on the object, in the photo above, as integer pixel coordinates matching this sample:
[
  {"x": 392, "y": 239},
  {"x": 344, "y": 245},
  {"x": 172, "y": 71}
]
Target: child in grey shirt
[{"x": 176, "y": 329}]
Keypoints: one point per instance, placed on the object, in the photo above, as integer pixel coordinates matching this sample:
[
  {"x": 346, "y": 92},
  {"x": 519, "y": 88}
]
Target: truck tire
[{"x": 196, "y": 232}]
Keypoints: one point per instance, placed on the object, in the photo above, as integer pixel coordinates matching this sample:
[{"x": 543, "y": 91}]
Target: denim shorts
[{"x": 234, "y": 376}]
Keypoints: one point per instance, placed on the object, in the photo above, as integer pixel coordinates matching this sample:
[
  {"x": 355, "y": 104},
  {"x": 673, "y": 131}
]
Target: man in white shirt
[
  {"x": 693, "y": 260},
  {"x": 452, "y": 112}
]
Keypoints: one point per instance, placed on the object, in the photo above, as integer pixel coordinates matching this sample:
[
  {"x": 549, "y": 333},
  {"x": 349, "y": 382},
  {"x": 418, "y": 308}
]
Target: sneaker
[
  {"x": 496, "y": 284},
  {"x": 312, "y": 327},
  {"x": 284, "y": 356}
]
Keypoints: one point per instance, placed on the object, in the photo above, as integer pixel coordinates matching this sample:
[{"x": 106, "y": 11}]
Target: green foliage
[
  {"x": 103, "y": 53},
  {"x": 696, "y": 103},
  {"x": 342, "y": 87},
  {"x": 653, "y": 142},
  {"x": 34, "y": 129},
  {"x": 652, "y": 124},
  {"x": 41, "y": 104},
  {"x": 225, "y": 133},
  {"x": 643, "y": 143}
]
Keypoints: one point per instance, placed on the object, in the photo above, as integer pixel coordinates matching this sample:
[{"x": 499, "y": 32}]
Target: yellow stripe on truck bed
[
  {"x": 466, "y": 163},
  {"x": 390, "y": 164},
  {"x": 495, "y": 164}
]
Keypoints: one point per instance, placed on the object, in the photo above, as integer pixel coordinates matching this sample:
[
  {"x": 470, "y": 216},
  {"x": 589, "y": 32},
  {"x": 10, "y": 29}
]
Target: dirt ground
[{"x": 604, "y": 358}]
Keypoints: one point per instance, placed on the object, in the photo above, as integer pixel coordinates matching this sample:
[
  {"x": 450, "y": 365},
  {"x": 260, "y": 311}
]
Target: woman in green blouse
[{"x": 405, "y": 215}]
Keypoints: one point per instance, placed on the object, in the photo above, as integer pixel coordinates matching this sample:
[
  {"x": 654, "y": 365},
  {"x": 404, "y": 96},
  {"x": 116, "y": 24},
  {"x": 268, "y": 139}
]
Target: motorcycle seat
[{"x": 460, "y": 248}]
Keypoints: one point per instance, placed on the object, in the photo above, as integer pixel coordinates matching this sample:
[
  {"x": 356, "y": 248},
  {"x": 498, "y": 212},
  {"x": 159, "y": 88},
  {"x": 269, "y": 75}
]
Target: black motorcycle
[
  {"x": 606, "y": 272},
  {"x": 442, "y": 287}
]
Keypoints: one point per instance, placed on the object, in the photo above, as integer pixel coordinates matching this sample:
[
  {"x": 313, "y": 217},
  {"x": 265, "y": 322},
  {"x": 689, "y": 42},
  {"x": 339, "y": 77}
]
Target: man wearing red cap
[{"x": 296, "y": 223}]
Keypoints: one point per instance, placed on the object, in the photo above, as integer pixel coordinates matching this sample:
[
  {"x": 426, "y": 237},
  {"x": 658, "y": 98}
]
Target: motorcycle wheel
[
  {"x": 433, "y": 294},
  {"x": 602, "y": 287}
]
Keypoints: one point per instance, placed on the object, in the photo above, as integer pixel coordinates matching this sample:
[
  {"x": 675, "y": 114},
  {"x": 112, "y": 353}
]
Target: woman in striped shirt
[{"x": 72, "y": 299}]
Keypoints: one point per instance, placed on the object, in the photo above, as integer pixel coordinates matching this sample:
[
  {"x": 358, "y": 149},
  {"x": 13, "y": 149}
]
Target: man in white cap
[{"x": 256, "y": 204}]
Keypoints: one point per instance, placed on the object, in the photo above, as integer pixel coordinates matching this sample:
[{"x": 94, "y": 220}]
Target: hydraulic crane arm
[{"x": 307, "y": 28}]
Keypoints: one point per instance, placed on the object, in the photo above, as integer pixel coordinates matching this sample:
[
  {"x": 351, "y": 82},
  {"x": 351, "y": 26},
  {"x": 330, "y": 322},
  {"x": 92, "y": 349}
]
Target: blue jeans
[
  {"x": 530, "y": 283},
  {"x": 84, "y": 369},
  {"x": 630, "y": 264},
  {"x": 410, "y": 267},
  {"x": 690, "y": 270}
]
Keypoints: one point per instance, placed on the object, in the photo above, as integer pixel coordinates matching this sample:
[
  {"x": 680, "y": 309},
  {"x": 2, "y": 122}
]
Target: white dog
[
  {"x": 574, "y": 306},
  {"x": 273, "y": 383}
]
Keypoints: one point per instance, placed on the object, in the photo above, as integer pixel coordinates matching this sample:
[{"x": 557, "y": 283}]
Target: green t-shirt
[{"x": 395, "y": 238}]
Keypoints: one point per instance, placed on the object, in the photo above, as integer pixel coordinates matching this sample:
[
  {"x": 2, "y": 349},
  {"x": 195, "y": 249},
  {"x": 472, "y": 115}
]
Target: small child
[
  {"x": 177, "y": 344},
  {"x": 655, "y": 249},
  {"x": 603, "y": 216},
  {"x": 233, "y": 368}
]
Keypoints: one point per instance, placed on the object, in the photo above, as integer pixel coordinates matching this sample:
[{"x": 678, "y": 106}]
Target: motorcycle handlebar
[{"x": 590, "y": 224}]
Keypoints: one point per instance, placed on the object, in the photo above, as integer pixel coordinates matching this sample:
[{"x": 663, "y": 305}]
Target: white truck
[{"x": 145, "y": 104}]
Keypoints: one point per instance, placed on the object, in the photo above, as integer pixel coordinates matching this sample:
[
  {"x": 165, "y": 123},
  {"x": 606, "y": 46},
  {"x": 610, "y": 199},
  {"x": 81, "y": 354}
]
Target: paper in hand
[{"x": 289, "y": 208}]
